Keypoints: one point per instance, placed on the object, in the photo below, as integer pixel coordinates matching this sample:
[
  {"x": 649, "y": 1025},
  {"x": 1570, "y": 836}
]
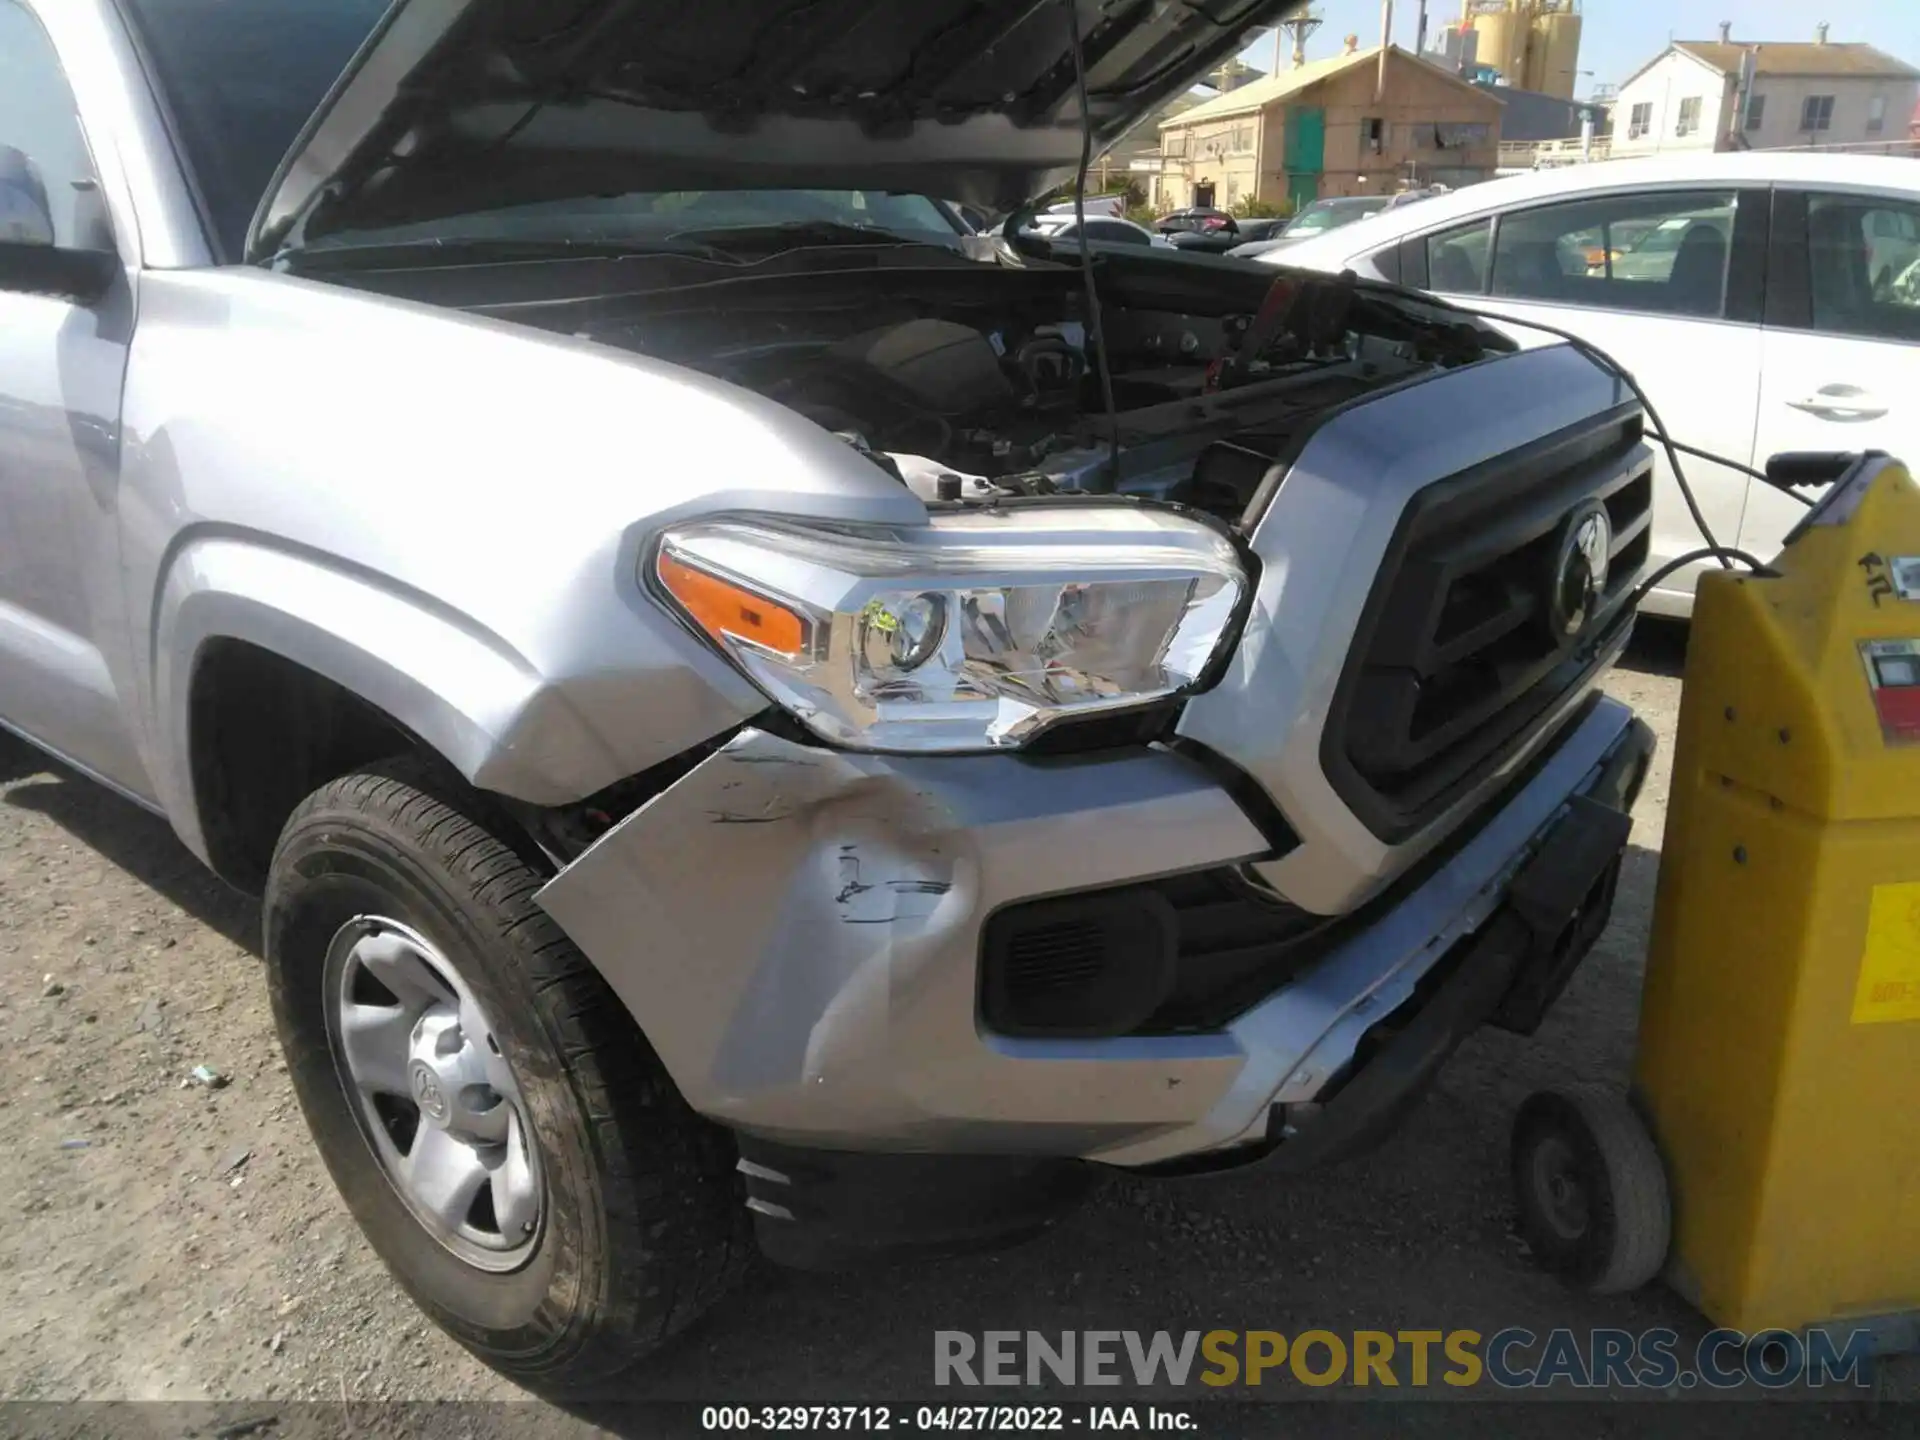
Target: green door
[
  {"x": 1306, "y": 140},
  {"x": 1305, "y": 154}
]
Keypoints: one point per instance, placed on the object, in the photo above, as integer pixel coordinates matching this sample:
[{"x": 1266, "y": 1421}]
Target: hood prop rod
[{"x": 1110, "y": 480}]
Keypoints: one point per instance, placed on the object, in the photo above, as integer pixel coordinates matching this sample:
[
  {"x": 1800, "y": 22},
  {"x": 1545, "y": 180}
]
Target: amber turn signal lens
[{"x": 729, "y": 611}]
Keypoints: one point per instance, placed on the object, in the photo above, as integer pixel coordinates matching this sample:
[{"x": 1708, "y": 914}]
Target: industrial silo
[
  {"x": 1553, "y": 59},
  {"x": 1503, "y": 33},
  {"x": 1534, "y": 44}
]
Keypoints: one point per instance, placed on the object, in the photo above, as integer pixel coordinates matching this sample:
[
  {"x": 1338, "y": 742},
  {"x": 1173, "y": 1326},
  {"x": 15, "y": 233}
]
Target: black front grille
[
  {"x": 1181, "y": 954},
  {"x": 1457, "y": 659},
  {"x": 1236, "y": 945},
  {"x": 1045, "y": 958}
]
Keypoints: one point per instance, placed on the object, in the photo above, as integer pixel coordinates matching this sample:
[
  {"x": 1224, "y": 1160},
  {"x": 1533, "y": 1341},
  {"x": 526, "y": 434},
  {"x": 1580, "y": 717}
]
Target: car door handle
[{"x": 1841, "y": 402}]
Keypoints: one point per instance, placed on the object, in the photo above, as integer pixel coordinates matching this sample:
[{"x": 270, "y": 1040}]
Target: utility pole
[
  {"x": 1386, "y": 39},
  {"x": 1735, "y": 137},
  {"x": 1420, "y": 35}
]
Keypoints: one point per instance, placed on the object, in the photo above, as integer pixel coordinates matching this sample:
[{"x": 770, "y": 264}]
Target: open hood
[{"x": 454, "y": 106}]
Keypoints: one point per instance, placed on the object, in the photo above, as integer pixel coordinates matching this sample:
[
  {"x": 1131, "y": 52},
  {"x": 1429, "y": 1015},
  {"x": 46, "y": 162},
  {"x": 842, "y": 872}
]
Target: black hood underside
[{"x": 458, "y": 105}]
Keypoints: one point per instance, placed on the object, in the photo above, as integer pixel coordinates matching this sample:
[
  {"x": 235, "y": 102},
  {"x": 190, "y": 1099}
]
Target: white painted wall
[
  {"x": 1852, "y": 107},
  {"x": 1671, "y": 79}
]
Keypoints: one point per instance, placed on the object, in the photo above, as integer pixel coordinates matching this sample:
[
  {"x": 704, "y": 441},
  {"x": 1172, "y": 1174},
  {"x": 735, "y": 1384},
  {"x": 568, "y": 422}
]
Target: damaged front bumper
[{"x": 798, "y": 933}]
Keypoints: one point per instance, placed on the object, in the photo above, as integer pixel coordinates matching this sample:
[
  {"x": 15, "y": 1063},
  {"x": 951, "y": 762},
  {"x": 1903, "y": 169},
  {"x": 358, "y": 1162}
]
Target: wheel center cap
[{"x": 427, "y": 1093}]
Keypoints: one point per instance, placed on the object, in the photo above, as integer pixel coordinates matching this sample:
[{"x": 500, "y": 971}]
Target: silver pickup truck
[{"x": 758, "y": 715}]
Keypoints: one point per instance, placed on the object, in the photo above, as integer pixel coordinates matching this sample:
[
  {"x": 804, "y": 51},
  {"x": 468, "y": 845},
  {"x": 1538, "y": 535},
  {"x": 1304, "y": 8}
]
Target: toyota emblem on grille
[{"x": 1581, "y": 561}]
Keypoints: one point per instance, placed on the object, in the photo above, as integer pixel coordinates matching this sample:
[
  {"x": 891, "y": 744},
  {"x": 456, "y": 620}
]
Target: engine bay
[{"x": 979, "y": 382}]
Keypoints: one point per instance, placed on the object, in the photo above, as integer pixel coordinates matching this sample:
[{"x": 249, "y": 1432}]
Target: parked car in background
[
  {"x": 1195, "y": 218},
  {"x": 1414, "y": 195},
  {"x": 1090, "y": 205},
  {"x": 1108, "y": 229},
  {"x": 1204, "y": 242},
  {"x": 1316, "y": 219},
  {"x": 1211, "y": 232},
  {"x": 1264, "y": 228},
  {"x": 1767, "y": 301},
  {"x": 1637, "y": 251}
]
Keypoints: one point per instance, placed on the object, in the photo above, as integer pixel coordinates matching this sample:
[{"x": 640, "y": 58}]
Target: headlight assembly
[{"x": 975, "y": 631}]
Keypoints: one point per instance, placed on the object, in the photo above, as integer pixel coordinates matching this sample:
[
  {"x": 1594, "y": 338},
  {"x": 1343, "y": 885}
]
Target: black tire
[
  {"x": 1590, "y": 1189},
  {"x": 644, "y": 1225}
]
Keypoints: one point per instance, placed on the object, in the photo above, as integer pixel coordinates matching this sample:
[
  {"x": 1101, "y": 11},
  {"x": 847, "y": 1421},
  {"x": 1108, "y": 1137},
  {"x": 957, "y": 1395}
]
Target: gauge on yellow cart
[{"x": 1893, "y": 674}]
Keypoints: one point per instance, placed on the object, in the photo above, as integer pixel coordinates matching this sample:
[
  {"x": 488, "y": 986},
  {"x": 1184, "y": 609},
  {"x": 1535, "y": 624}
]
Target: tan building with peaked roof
[
  {"x": 1688, "y": 97},
  {"x": 1329, "y": 127}
]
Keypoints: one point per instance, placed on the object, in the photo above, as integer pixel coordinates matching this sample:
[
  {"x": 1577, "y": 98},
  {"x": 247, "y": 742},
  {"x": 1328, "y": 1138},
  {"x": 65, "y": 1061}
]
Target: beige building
[
  {"x": 1331, "y": 127},
  {"x": 1688, "y": 98},
  {"x": 1136, "y": 158}
]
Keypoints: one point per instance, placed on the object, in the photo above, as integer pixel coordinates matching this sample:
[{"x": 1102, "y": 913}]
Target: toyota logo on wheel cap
[
  {"x": 1582, "y": 562},
  {"x": 427, "y": 1093}
]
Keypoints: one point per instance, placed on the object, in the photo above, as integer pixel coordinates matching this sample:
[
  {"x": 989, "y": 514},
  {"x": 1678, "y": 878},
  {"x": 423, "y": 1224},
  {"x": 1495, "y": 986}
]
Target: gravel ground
[{"x": 172, "y": 1240}]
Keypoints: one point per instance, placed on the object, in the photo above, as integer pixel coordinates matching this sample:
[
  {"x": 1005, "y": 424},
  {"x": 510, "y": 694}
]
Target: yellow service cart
[{"x": 1768, "y": 1159}]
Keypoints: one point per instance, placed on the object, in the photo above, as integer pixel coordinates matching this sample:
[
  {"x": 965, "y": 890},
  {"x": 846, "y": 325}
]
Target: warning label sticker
[
  {"x": 1893, "y": 675},
  {"x": 1889, "y": 986}
]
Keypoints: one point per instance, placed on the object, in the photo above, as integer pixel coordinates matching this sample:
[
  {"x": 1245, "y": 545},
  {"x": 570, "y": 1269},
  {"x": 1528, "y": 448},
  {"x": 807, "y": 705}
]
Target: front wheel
[{"x": 502, "y": 1132}]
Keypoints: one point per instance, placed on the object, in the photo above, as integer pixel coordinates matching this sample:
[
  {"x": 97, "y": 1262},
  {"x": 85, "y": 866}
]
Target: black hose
[
  {"x": 1760, "y": 475},
  {"x": 1723, "y": 554},
  {"x": 1094, "y": 328},
  {"x": 1607, "y": 362}
]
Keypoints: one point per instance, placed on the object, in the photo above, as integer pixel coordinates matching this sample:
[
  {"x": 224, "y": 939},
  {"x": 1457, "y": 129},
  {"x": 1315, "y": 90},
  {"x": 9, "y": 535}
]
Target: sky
[{"x": 1617, "y": 37}]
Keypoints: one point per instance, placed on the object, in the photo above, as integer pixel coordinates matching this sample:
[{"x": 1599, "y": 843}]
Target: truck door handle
[{"x": 1841, "y": 402}]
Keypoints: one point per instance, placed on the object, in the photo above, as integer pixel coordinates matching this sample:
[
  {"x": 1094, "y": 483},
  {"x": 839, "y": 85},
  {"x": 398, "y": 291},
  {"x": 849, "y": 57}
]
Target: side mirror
[
  {"x": 31, "y": 257},
  {"x": 82, "y": 275}
]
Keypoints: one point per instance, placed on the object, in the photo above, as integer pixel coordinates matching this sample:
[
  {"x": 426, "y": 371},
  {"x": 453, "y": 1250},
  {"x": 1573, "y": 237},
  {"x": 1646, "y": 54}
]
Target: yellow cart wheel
[{"x": 1589, "y": 1188}]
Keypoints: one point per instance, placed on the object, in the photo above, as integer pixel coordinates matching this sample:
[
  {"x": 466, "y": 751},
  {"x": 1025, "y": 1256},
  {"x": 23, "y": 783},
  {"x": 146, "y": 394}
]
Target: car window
[
  {"x": 45, "y": 167},
  {"x": 1457, "y": 259},
  {"x": 1863, "y": 258},
  {"x": 1116, "y": 232},
  {"x": 1312, "y": 220},
  {"x": 1665, "y": 251},
  {"x": 240, "y": 78},
  {"x": 1323, "y": 216},
  {"x": 1664, "y": 238}
]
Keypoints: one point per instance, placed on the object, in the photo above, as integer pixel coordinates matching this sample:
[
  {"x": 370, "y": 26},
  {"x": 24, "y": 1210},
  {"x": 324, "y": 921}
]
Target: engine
[
  {"x": 964, "y": 413},
  {"x": 944, "y": 397},
  {"x": 973, "y": 383}
]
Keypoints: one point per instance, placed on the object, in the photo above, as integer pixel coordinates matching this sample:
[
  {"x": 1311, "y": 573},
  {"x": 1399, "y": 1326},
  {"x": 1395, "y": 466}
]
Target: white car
[
  {"x": 1103, "y": 229},
  {"x": 1766, "y": 301}
]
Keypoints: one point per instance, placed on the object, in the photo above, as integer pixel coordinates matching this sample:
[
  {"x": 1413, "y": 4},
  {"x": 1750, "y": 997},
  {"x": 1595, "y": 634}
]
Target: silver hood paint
[{"x": 459, "y": 105}]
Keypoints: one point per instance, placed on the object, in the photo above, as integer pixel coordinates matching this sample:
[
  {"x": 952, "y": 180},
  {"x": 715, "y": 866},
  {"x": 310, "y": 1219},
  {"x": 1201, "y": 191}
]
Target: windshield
[{"x": 240, "y": 78}]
